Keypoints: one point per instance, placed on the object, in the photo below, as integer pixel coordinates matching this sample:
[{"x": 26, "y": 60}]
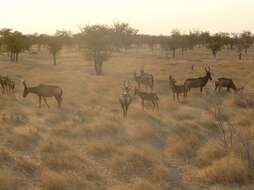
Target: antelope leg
[
  {"x": 123, "y": 110},
  {"x": 153, "y": 105},
  {"x": 45, "y": 101},
  {"x": 157, "y": 104},
  {"x": 58, "y": 101},
  {"x": 178, "y": 97},
  {"x": 39, "y": 101},
  {"x": 126, "y": 109}
]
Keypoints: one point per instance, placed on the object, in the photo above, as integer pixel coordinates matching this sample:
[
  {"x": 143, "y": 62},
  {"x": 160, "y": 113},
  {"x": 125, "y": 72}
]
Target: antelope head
[
  {"x": 208, "y": 72},
  {"x": 26, "y": 91},
  {"x": 126, "y": 87},
  {"x": 171, "y": 80}
]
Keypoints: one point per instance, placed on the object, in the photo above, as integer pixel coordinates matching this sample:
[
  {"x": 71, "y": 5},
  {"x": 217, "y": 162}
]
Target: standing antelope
[
  {"x": 10, "y": 86},
  {"x": 145, "y": 79},
  {"x": 177, "y": 89},
  {"x": 226, "y": 83},
  {"x": 3, "y": 84},
  {"x": 150, "y": 96},
  {"x": 198, "y": 82},
  {"x": 125, "y": 98},
  {"x": 7, "y": 85},
  {"x": 43, "y": 91}
]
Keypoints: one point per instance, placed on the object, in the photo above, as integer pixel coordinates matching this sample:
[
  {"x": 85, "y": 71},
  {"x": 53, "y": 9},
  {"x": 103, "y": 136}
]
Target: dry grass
[
  {"x": 183, "y": 146},
  {"x": 227, "y": 170},
  {"x": 210, "y": 152},
  {"x": 102, "y": 149},
  {"x": 88, "y": 145},
  {"x": 134, "y": 163},
  {"x": 9, "y": 180}
]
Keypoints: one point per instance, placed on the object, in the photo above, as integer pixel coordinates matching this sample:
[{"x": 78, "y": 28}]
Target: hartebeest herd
[
  {"x": 147, "y": 81},
  {"x": 144, "y": 80}
]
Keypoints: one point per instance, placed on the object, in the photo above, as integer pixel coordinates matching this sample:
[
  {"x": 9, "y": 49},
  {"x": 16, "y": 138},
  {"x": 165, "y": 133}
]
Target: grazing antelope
[
  {"x": 145, "y": 79},
  {"x": 199, "y": 82},
  {"x": 149, "y": 96},
  {"x": 7, "y": 85},
  {"x": 10, "y": 86},
  {"x": 3, "y": 84},
  {"x": 177, "y": 89},
  {"x": 43, "y": 91},
  {"x": 125, "y": 98},
  {"x": 226, "y": 83}
]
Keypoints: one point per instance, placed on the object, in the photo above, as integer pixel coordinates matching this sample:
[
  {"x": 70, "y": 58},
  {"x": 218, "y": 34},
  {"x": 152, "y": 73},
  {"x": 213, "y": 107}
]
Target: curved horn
[{"x": 24, "y": 83}]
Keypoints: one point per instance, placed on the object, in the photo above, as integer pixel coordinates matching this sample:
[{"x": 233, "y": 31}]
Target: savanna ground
[{"x": 88, "y": 145}]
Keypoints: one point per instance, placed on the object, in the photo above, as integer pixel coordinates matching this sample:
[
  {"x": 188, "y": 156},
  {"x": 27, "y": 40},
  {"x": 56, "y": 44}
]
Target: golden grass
[
  {"x": 27, "y": 166},
  {"x": 134, "y": 163},
  {"x": 89, "y": 145},
  {"x": 22, "y": 140},
  {"x": 227, "y": 170},
  {"x": 209, "y": 152},
  {"x": 183, "y": 146},
  {"x": 9, "y": 180},
  {"x": 102, "y": 149}
]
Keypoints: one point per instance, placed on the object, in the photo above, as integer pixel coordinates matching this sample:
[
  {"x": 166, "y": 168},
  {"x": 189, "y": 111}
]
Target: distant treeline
[{"x": 99, "y": 41}]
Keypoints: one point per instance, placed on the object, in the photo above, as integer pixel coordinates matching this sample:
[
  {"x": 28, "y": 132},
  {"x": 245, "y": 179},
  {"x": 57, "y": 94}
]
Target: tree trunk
[
  {"x": 246, "y": 51},
  {"x": 16, "y": 57},
  {"x": 240, "y": 56},
  {"x": 12, "y": 56},
  {"x": 39, "y": 47},
  {"x": 98, "y": 67},
  {"x": 98, "y": 63},
  {"x": 54, "y": 59},
  {"x": 214, "y": 53},
  {"x": 174, "y": 53}
]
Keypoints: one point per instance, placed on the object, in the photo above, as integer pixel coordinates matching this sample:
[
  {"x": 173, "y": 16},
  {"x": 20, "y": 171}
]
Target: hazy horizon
[{"x": 149, "y": 17}]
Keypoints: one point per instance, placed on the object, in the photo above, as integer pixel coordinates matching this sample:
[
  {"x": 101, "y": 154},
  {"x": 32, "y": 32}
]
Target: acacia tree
[
  {"x": 246, "y": 40},
  {"x": 41, "y": 40},
  {"x": 55, "y": 44},
  {"x": 174, "y": 41},
  {"x": 165, "y": 46},
  {"x": 97, "y": 44},
  {"x": 184, "y": 43},
  {"x": 15, "y": 43},
  {"x": 151, "y": 42},
  {"x": 215, "y": 44},
  {"x": 122, "y": 35}
]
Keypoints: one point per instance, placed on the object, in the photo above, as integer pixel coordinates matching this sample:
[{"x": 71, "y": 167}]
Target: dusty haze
[{"x": 153, "y": 17}]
